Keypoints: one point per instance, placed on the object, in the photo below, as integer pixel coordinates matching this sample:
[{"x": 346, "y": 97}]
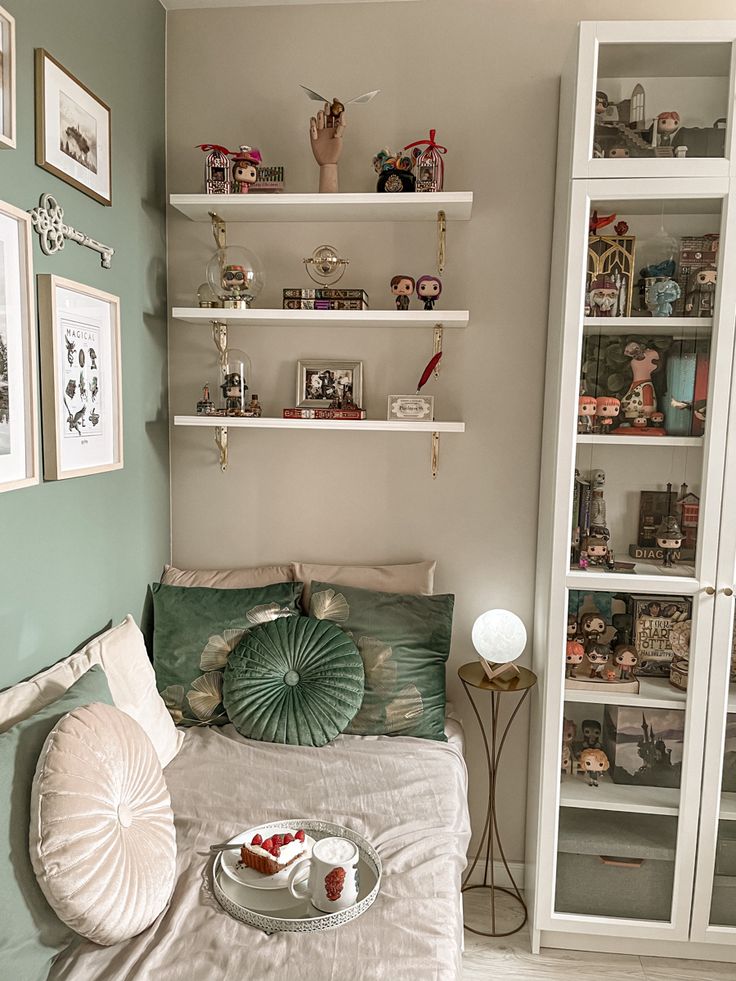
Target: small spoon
[{"x": 225, "y": 846}]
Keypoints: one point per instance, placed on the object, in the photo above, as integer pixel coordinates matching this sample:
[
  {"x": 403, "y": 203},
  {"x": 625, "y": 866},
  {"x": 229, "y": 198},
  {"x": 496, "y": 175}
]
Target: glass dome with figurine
[
  {"x": 236, "y": 373},
  {"x": 236, "y": 276}
]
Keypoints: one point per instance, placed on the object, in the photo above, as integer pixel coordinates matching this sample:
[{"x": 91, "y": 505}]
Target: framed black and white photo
[
  {"x": 72, "y": 130},
  {"x": 81, "y": 393},
  {"x": 18, "y": 414},
  {"x": 7, "y": 80},
  {"x": 321, "y": 383}
]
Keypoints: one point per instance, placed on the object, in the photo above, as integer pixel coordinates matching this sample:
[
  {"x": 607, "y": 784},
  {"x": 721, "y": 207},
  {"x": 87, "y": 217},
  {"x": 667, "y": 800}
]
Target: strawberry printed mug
[{"x": 329, "y": 879}]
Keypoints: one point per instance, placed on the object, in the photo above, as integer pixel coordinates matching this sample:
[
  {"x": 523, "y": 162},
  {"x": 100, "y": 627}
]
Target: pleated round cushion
[
  {"x": 102, "y": 837},
  {"x": 295, "y": 680}
]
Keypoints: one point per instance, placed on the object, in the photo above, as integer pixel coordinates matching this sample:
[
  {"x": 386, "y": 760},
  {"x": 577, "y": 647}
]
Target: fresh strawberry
[
  {"x": 257, "y": 840},
  {"x": 278, "y": 840},
  {"x": 288, "y": 838},
  {"x": 267, "y": 845},
  {"x": 275, "y": 851},
  {"x": 299, "y": 835}
]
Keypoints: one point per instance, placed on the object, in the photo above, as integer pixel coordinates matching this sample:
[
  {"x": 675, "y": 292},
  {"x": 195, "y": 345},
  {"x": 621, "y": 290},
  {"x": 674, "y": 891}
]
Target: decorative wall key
[{"x": 48, "y": 221}]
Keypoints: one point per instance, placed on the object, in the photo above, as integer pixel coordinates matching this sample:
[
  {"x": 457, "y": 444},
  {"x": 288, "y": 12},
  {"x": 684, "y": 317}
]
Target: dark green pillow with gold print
[
  {"x": 195, "y": 630},
  {"x": 404, "y": 641}
]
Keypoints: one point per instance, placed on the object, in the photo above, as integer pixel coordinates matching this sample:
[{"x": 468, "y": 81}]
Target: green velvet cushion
[
  {"x": 296, "y": 680},
  {"x": 31, "y": 934},
  {"x": 404, "y": 641},
  {"x": 195, "y": 630}
]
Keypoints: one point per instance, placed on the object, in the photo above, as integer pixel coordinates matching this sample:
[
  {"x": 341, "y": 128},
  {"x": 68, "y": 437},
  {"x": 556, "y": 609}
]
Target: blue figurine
[{"x": 660, "y": 295}]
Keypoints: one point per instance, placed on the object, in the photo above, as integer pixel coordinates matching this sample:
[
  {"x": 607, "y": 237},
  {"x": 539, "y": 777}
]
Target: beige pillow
[
  {"x": 262, "y": 575},
  {"x": 414, "y": 577},
  {"x": 122, "y": 653},
  {"x": 102, "y": 838}
]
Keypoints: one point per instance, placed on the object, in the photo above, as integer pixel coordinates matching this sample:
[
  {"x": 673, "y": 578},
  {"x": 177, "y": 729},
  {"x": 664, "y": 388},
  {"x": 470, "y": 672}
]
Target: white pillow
[
  {"x": 102, "y": 838},
  {"x": 122, "y": 653}
]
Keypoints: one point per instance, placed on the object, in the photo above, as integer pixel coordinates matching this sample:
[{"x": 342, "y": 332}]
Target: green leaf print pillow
[
  {"x": 195, "y": 630},
  {"x": 404, "y": 641}
]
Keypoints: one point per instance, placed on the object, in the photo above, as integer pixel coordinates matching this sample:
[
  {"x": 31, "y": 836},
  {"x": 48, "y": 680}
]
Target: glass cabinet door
[{"x": 645, "y": 410}]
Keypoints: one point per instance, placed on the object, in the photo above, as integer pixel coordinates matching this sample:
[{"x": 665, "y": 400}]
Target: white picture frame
[
  {"x": 7, "y": 81},
  {"x": 73, "y": 130},
  {"x": 81, "y": 379},
  {"x": 18, "y": 388}
]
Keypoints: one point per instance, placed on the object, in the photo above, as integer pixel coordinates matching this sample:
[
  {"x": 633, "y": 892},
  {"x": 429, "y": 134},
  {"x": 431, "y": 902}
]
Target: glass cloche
[
  {"x": 236, "y": 276},
  {"x": 236, "y": 375}
]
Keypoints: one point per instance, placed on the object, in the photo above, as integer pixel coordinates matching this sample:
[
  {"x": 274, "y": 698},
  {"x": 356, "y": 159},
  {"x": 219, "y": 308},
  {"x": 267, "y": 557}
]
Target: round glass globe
[
  {"x": 236, "y": 275},
  {"x": 499, "y": 636}
]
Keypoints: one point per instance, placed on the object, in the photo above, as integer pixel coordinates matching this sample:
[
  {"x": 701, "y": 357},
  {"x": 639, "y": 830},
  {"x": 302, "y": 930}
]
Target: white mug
[{"x": 331, "y": 883}]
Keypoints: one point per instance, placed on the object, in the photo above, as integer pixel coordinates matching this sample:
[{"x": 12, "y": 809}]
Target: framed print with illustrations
[
  {"x": 321, "y": 383},
  {"x": 81, "y": 395},
  {"x": 7, "y": 80},
  {"x": 72, "y": 130},
  {"x": 18, "y": 414}
]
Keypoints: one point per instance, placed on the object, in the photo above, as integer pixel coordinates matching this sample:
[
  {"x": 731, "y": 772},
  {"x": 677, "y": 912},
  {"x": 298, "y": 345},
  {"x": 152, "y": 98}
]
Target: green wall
[{"x": 75, "y": 554}]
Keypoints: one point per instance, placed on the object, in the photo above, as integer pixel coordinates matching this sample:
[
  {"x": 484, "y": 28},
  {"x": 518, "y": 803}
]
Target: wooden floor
[{"x": 486, "y": 959}]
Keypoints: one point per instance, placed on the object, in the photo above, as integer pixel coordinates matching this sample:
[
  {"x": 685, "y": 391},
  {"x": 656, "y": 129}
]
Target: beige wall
[{"x": 485, "y": 74}]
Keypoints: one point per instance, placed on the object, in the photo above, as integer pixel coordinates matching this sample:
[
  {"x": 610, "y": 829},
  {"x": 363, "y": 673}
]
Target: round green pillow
[{"x": 294, "y": 680}]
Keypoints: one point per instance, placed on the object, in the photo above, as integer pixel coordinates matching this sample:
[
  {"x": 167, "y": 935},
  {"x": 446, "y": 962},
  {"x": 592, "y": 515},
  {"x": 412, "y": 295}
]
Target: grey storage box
[
  {"x": 723, "y": 903},
  {"x": 615, "y": 864}
]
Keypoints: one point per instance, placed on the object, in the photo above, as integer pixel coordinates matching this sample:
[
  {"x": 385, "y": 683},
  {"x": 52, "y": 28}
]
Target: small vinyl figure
[
  {"x": 572, "y": 626},
  {"x": 668, "y": 124},
  {"x": 596, "y": 548},
  {"x": 205, "y": 406},
  {"x": 700, "y": 298},
  {"x": 429, "y": 289},
  {"x": 583, "y": 559},
  {"x": 245, "y": 168},
  {"x": 660, "y": 295},
  {"x": 598, "y": 657},
  {"x": 656, "y": 421},
  {"x": 618, "y": 152},
  {"x": 601, "y": 103},
  {"x": 574, "y": 655},
  {"x": 233, "y": 283},
  {"x": 669, "y": 539},
  {"x": 586, "y": 413},
  {"x": 607, "y": 408},
  {"x": 603, "y": 295},
  {"x": 569, "y": 731},
  {"x": 591, "y": 730},
  {"x": 233, "y": 391},
  {"x": 402, "y": 288},
  {"x": 592, "y": 626},
  {"x": 640, "y": 422},
  {"x": 593, "y": 763},
  {"x": 626, "y": 658},
  {"x": 253, "y": 409}
]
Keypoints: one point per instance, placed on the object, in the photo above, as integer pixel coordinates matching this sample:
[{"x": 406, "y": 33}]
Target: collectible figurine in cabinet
[
  {"x": 591, "y": 731},
  {"x": 626, "y": 658},
  {"x": 572, "y": 626},
  {"x": 429, "y": 289},
  {"x": 594, "y": 763},
  {"x": 233, "y": 389},
  {"x": 660, "y": 296},
  {"x": 607, "y": 408},
  {"x": 700, "y": 298},
  {"x": 603, "y": 296},
  {"x": 592, "y": 626},
  {"x": 619, "y": 152},
  {"x": 598, "y": 657},
  {"x": 595, "y": 547},
  {"x": 641, "y": 398},
  {"x": 574, "y": 656},
  {"x": 667, "y": 124},
  {"x": 669, "y": 539},
  {"x": 569, "y": 731},
  {"x": 586, "y": 413},
  {"x": 245, "y": 168},
  {"x": 402, "y": 288},
  {"x": 601, "y": 103}
]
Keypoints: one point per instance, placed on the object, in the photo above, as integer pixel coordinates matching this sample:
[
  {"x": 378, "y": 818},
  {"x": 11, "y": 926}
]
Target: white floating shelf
[
  {"x": 693, "y": 441},
  {"x": 728, "y": 807},
  {"x": 609, "y": 796},
  {"x": 653, "y": 693},
  {"x": 681, "y": 326},
  {"x": 323, "y": 318},
  {"x": 641, "y": 582},
  {"x": 364, "y": 425},
  {"x": 373, "y": 206}
]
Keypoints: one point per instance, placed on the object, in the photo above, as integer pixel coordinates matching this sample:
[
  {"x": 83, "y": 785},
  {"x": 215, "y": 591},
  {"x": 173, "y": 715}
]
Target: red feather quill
[{"x": 426, "y": 374}]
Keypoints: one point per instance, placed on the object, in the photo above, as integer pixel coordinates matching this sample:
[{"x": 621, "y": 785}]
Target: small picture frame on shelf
[
  {"x": 7, "y": 80},
  {"x": 81, "y": 392},
  {"x": 72, "y": 130},
  {"x": 322, "y": 383},
  {"x": 410, "y": 408}
]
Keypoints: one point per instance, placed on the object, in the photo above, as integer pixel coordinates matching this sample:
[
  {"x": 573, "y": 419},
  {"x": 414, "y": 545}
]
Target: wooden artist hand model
[{"x": 326, "y": 132}]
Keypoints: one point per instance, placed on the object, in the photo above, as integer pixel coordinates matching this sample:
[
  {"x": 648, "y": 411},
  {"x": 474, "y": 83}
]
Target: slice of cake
[{"x": 273, "y": 854}]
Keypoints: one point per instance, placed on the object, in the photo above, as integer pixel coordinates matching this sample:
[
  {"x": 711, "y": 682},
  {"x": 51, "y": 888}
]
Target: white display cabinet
[
  {"x": 646, "y": 68},
  {"x": 630, "y": 864}
]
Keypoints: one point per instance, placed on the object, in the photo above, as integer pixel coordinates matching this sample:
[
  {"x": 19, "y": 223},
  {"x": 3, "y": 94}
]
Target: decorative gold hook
[
  {"x": 219, "y": 336},
  {"x": 219, "y": 230},
  {"x": 221, "y": 441},
  {"x": 441, "y": 241},
  {"x": 437, "y": 347},
  {"x": 435, "y": 454}
]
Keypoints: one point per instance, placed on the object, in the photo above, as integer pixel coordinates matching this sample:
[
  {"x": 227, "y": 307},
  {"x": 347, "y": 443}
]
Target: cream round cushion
[{"x": 102, "y": 837}]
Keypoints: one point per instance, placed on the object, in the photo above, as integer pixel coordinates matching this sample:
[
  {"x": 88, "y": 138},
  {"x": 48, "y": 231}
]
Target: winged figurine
[{"x": 337, "y": 108}]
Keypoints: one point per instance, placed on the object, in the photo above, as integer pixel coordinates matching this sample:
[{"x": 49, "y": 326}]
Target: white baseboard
[{"x": 500, "y": 875}]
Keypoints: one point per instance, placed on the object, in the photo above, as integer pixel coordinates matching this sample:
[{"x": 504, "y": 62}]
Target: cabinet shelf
[
  {"x": 323, "y": 318},
  {"x": 373, "y": 206},
  {"x": 643, "y": 581},
  {"x": 358, "y": 425},
  {"x": 610, "y": 796},
  {"x": 696, "y": 442},
  {"x": 653, "y": 693},
  {"x": 728, "y": 807},
  {"x": 653, "y": 326}
]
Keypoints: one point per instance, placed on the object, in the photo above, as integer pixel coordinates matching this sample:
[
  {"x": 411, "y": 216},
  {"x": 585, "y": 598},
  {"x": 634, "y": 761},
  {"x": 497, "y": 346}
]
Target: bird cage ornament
[
  {"x": 216, "y": 168},
  {"x": 429, "y": 165}
]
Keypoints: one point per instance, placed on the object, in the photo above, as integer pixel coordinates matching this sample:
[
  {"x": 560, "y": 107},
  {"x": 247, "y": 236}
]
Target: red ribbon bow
[
  {"x": 207, "y": 147},
  {"x": 430, "y": 143}
]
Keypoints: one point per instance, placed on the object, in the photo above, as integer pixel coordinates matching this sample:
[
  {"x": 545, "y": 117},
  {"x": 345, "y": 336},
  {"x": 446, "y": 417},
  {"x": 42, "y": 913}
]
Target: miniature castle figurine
[
  {"x": 245, "y": 169},
  {"x": 603, "y": 294},
  {"x": 402, "y": 288},
  {"x": 594, "y": 763},
  {"x": 429, "y": 289},
  {"x": 700, "y": 298}
]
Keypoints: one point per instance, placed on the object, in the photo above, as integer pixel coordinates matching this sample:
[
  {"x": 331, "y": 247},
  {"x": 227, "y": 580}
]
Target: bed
[{"x": 407, "y": 795}]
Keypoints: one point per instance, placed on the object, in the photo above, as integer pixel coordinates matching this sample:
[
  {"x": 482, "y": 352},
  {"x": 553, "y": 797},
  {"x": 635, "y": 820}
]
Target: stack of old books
[{"x": 325, "y": 298}]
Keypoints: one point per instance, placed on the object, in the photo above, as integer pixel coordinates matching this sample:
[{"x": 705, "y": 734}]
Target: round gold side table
[{"x": 473, "y": 676}]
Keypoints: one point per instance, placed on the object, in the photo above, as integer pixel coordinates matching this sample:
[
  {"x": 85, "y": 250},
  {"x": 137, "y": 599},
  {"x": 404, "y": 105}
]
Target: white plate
[{"x": 232, "y": 867}]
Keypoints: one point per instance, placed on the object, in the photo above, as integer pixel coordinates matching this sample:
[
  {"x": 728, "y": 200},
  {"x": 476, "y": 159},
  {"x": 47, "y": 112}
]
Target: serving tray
[{"x": 305, "y": 918}]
